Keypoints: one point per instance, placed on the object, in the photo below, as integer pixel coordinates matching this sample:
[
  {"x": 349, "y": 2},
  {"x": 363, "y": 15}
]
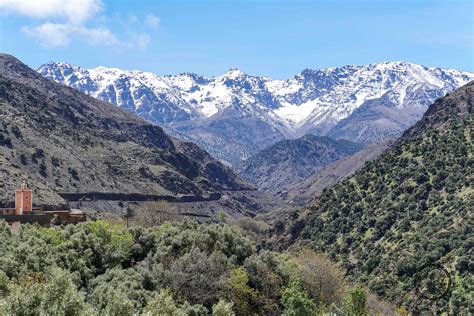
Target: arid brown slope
[{"x": 64, "y": 142}]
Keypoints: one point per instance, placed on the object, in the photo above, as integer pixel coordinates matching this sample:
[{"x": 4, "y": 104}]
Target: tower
[{"x": 23, "y": 200}]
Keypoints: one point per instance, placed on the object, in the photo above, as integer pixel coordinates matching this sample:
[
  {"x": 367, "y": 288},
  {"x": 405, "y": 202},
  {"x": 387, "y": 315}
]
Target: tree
[
  {"x": 238, "y": 291},
  {"x": 127, "y": 214},
  {"x": 222, "y": 308},
  {"x": 318, "y": 276},
  {"x": 197, "y": 276},
  {"x": 296, "y": 302},
  {"x": 267, "y": 277},
  {"x": 118, "y": 305},
  {"x": 356, "y": 303},
  {"x": 164, "y": 304},
  {"x": 152, "y": 214},
  {"x": 50, "y": 294}
]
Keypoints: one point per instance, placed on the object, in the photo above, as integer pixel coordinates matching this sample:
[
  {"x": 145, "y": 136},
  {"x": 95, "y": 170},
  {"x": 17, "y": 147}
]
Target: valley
[
  {"x": 236, "y": 158},
  {"x": 71, "y": 147},
  {"x": 341, "y": 220}
]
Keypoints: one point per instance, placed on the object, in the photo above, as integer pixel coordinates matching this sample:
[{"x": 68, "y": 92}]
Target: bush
[
  {"x": 238, "y": 291},
  {"x": 183, "y": 268},
  {"x": 356, "y": 303},
  {"x": 296, "y": 301},
  {"x": 50, "y": 294},
  {"x": 164, "y": 304},
  {"x": 222, "y": 308}
]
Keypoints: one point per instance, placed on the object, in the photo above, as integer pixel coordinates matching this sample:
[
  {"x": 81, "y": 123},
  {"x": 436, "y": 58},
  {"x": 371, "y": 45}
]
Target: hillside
[
  {"x": 73, "y": 147},
  {"x": 236, "y": 115},
  {"x": 410, "y": 207},
  {"x": 303, "y": 192},
  {"x": 291, "y": 161}
]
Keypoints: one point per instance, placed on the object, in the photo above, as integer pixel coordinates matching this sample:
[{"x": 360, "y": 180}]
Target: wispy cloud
[
  {"x": 152, "y": 21},
  {"x": 58, "y": 34},
  {"x": 49, "y": 34},
  {"x": 72, "y": 20}
]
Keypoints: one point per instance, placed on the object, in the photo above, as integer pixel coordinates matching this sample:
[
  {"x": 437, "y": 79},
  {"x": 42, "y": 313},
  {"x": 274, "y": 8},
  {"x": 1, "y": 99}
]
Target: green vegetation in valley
[{"x": 99, "y": 268}]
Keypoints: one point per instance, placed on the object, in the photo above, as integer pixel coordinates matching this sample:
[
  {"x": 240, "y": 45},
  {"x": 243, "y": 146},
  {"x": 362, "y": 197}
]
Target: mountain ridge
[
  {"x": 66, "y": 143},
  {"x": 409, "y": 208},
  {"x": 235, "y": 115},
  {"x": 288, "y": 162}
]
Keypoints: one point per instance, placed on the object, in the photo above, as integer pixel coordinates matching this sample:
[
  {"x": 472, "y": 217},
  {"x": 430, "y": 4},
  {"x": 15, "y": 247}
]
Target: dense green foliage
[
  {"x": 411, "y": 207},
  {"x": 173, "y": 269}
]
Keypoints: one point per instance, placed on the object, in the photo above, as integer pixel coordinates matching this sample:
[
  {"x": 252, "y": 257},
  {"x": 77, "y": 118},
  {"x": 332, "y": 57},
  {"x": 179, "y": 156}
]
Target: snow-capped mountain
[{"x": 236, "y": 114}]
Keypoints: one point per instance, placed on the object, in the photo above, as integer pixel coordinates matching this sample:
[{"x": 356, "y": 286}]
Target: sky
[{"x": 277, "y": 39}]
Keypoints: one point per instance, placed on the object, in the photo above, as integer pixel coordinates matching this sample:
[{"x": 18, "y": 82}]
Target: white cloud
[
  {"x": 50, "y": 34},
  {"x": 64, "y": 20},
  {"x": 57, "y": 34},
  {"x": 152, "y": 21},
  {"x": 74, "y": 11},
  {"x": 99, "y": 35}
]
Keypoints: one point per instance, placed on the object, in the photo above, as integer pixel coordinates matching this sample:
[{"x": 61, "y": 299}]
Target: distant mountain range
[
  {"x": 292, "y": 161},
  {"x": 235, "y": 115},
  {"x": 72, "y": 147}
]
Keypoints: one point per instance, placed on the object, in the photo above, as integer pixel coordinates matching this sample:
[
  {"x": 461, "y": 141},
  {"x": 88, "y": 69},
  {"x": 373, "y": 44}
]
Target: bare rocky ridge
[{"x": 72, "y": 146}]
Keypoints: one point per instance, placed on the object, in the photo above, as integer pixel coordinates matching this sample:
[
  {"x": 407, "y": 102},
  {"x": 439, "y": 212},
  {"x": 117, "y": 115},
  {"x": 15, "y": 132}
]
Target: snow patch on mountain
[
  {"x": 312, "y": 96},
  {"x": 312, "y": 101}
]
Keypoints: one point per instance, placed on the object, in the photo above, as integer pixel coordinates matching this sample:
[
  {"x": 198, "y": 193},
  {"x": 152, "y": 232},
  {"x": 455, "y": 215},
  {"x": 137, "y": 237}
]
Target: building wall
[
  {"x": 23, "y": 201},
  {"x": 18, "y": 210}
]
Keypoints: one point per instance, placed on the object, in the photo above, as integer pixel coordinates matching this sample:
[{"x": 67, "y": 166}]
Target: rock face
[
  {"x": 235, "y": 115},
  {"x": 412, "y": 206},
  {"x": 291, "y": 161},
  {"x": 68, "y": 144}
]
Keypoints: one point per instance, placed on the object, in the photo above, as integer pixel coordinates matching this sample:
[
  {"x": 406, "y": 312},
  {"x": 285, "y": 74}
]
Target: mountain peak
[
  {"x": 267, "y": 110},
  {"x": 71, "y": 130},
  {"x": 9, "y": 59},
  {"x": 60, "y": 65},
  {"x": 234, "y": 73}
]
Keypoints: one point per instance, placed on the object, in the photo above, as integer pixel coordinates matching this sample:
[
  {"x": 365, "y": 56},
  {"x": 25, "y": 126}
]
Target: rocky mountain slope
[
  {"x": 303, "y": 192},
  {"x": 235, "y": 115},
  {"x": 291, "y": 161},
  {"x": 70, "y": 146},
  {"x": 409, "y": 208}
]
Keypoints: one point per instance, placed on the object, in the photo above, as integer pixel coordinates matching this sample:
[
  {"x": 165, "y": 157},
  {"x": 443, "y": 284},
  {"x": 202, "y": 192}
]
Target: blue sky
[{"x": 273, "y": 38}]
